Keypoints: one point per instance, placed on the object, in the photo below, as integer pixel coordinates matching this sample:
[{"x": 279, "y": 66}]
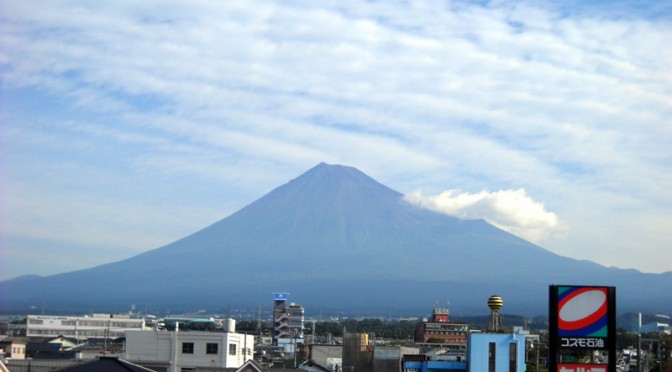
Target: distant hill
[{"x": 337, "y": 240}]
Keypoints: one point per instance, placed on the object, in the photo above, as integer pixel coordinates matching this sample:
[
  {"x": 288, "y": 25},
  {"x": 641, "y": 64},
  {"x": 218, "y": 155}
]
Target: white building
[
  {"x": 185, "y": 351},
  {"x": 82, "y": 327},
  {"x": 656, "y": 327},
  {"x": 661, "y": 325}
]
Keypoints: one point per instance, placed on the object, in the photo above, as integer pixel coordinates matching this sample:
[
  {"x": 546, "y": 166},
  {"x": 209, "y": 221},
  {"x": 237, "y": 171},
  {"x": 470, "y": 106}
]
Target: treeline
[
  {"x": 402, "y": 329},
  {"x": 389, "y": 329}
]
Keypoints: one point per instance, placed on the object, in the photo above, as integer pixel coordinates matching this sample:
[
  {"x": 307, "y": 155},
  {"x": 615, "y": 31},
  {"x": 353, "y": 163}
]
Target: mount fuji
[{"x": 337, "y": 240}]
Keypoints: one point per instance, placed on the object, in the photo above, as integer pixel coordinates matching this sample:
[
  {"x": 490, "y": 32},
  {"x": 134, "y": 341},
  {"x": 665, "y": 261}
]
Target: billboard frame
[{"x": 604, "y": 314}]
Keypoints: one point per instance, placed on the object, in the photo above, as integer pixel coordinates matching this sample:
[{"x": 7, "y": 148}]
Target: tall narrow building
[{"x": 288, "y": 321}]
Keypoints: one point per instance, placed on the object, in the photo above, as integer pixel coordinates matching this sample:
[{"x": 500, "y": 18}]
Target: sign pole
[{"x": 553, "y": 328}]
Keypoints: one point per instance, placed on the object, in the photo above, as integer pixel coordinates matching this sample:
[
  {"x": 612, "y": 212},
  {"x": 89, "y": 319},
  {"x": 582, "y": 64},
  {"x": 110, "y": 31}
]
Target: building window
[
  {"x": 35, "y": 321},
  {"x": 492, "y": 357},
  {"x": 211, "y": 348},
  {"x": 232, "y": 349},
  {"x": 513, "y": 351},
  {"x": 187, "y": 348}
]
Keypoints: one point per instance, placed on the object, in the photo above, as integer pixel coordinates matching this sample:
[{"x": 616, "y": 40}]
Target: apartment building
[{"x": 82, "y": 327}]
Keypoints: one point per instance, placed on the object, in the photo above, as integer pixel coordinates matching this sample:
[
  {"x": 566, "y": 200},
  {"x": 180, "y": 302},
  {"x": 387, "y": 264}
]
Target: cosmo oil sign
[{"x": 582, "y": 318}]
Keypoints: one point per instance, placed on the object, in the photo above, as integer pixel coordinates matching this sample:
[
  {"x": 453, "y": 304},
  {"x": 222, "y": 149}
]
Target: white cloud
[{"x": 511, "y": 210}]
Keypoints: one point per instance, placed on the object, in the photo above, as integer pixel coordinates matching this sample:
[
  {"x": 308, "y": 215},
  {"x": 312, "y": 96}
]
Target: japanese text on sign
[{"x": 582, "y": 342}]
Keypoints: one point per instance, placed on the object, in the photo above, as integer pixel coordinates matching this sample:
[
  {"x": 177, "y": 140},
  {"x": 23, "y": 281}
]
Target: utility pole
[
  {"x": 294, "y": 334},
  {"x": 639, "y": 352},
  {"x": 639, "y": 343},
  {"x": 313, "y": 336},
  {"x": 259, "y": 322}
]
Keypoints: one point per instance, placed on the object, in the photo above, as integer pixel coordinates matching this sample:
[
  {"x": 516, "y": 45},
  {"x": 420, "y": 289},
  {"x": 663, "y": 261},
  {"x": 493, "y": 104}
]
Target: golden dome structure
[
  {"x": 495, "y": 322},
  {"x": 495, "y": 302}
]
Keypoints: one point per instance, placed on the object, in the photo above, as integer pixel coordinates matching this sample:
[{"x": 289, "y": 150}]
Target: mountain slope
[{"x": 335, "y": 238}]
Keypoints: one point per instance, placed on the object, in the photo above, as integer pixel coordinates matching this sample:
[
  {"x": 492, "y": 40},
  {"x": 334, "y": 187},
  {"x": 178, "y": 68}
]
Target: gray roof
[{"x": 106, "y": 364}]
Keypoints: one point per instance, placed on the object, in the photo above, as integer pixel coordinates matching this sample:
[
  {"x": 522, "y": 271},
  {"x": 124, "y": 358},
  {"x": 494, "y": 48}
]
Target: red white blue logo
[{"x": 582, "y": 311}]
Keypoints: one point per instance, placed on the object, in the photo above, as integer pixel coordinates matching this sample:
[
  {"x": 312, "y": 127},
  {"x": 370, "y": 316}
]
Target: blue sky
[{"x": 127, "y": 125}]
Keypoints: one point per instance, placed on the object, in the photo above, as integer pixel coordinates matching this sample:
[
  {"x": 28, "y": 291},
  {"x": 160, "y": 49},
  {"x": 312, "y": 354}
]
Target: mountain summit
[{"x": 336, "y": 239}]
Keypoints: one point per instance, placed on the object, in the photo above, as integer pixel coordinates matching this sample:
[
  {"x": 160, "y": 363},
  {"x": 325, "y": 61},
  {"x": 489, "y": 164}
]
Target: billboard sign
[{"x": 582, "y": 318}]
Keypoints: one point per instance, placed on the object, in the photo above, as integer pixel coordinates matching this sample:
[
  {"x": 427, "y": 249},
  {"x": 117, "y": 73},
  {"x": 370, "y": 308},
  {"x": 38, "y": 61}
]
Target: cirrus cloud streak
[{"x": 173, "y": 106}]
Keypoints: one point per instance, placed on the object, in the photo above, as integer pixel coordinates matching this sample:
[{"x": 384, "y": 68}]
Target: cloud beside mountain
[{"x": 511, "y": 210}]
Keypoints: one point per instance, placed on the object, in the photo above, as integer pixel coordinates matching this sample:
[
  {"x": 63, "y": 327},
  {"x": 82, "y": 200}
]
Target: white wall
[
  {"x": 166, "y": 348},
  {"x": 81, "y": 328}
]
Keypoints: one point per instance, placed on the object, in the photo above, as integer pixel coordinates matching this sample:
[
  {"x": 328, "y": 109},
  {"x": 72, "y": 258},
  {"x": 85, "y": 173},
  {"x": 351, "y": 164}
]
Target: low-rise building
[
  {"x": 107, "y": 364},
  {"x": 656, "y": 327},
  {"x": 487, "y": 352},
  {"x": 82, "y": 327},
  {"x": 496, "y": 352},
  {"x": 389, "y": 358},
  {"x": 357, "y": 353},
  {"x": 441, "y": 331},
  {"x": 329, "y": 357},
  {"x": 51, "y": 348},
  {"x": 175, "y": 351},
  {"x": 11, "y": 348}
]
